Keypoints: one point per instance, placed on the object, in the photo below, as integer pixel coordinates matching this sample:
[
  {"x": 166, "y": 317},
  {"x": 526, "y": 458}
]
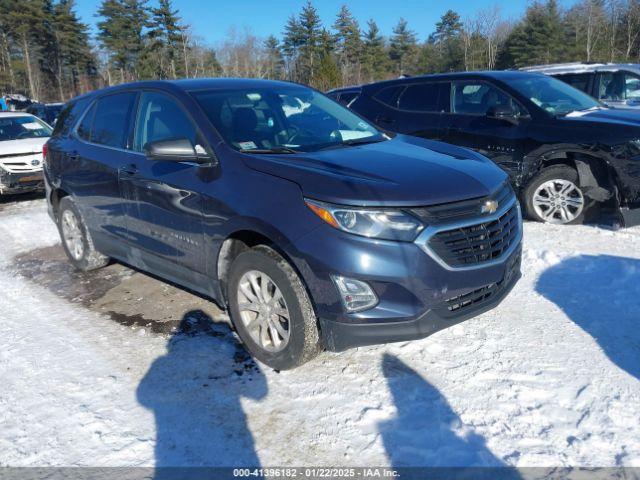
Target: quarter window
[{"x": 160, "y": 118}]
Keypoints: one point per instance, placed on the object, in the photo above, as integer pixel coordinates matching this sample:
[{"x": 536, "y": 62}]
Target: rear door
[
  {"x": 93, "y": 157},
  {"x": 163, "y": 205},
  {"x": 469, "y": 126},
  {"x": 419, "y": 109}
]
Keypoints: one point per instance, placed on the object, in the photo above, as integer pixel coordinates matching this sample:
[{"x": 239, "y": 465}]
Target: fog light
[{"x": 356, "y": 295}]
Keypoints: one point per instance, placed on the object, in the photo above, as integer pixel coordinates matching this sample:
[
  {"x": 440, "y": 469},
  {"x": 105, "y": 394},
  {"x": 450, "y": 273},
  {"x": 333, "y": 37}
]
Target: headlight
[{"x": 385, "y": 224}]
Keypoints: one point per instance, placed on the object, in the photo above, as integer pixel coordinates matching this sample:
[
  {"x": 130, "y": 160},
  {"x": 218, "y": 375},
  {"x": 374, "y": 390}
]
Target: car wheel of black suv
[
  {"x": 76, "y": 239},
  {"x": 271, "y": 310},
  {"x": 555, "y": 196}
]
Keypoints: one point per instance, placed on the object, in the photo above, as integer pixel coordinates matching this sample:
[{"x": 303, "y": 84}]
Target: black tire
[
  {"x": 304, "y": 337},
  {"x": 560, "y": 173},
  {"x": 90, "y": 258}
]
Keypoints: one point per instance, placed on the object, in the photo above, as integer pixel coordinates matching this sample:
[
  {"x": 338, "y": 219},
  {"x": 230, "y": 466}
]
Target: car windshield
[
  {"x": 283, "y": 120},
  {"x": 552, "y": 95},
  {"x": 17, "y": 128}
]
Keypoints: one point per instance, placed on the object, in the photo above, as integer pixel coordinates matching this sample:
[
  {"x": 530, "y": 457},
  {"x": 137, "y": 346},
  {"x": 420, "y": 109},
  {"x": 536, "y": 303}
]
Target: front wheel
[
  {"x": 555, "y": 196},
  {"x": 271, "y": 310}
]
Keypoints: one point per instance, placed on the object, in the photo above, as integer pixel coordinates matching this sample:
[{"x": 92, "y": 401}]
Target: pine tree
[
  {"x": 447, "y": 42},
  {"x": 348, "y": 45},
  {"x": 374, "y": 57},
  {"x": 311, "y": 33},
  {"x": 275, "y": 60},
  {"x": 73, "y": 54},
  {"x": 121, "y": 33},
  {"x": 166, "y": 34},
  {"x": 402, "y": 46},
  {"x": 539, "y": 38}
]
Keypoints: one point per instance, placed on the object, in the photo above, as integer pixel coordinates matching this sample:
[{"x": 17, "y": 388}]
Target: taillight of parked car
[{"x": 45, "y": 150}]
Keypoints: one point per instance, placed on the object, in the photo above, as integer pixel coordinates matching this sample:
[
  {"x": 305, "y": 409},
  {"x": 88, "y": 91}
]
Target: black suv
[{"x": 564, "y": 151}]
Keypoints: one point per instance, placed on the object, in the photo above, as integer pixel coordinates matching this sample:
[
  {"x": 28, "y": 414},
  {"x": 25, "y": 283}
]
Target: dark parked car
[
  {"x": 46, "y": 111},
  {"x": 564, "y": 151},
  {"x": 344, "y": 96},
  {"x": 616, "y": 84},
  {"x": 314, "y": 229}
]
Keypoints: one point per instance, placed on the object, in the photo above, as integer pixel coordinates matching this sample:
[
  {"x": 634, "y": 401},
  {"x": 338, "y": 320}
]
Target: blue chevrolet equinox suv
[{"x": 311, "y": 227}]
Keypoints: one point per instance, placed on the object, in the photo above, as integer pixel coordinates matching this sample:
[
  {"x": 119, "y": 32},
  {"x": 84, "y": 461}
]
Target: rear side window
[
  {"x": 426, "y": 97},
  {"x": 111, "y": 120},
  {"x": 84, "y": 129},
  {"x": 389, "y": 95},
  {"x": 107, "y": 121}
]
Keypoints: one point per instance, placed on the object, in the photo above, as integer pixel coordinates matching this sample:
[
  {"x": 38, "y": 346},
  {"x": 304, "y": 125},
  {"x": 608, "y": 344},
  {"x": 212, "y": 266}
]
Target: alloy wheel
[
  {"x": 263, "y": 311},
  {"x": 72, "y": 234},
  {"x": 558, "y": 201}
]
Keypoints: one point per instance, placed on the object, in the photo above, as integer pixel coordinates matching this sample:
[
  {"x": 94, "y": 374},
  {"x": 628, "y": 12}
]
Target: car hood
[
  {"x": 404, "y": 171},
  {"x": 617, "y": 116},
  {"x": 24, "y": 145}
]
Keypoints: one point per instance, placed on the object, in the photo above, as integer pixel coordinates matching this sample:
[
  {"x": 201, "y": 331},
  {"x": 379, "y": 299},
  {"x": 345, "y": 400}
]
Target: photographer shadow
[{"x": 195, "y": 393}]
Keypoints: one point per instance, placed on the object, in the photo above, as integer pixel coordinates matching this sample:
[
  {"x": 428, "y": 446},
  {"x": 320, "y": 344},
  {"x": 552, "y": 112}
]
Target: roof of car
[
  {"x": 579, "y": 67},
  {"x": 15, "y": 114},
  {"x": 194, "y": 84},
  {"x": 493, "y": 74}
]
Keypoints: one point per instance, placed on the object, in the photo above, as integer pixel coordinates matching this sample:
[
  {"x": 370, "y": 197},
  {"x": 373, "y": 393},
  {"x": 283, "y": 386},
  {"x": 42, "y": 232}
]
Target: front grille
[
  {"x": 479, "y": 243},
  {"x": 476, "y": 299},
  {"x": 455, "y": 211},
  {"x": 20, "y": 165}
]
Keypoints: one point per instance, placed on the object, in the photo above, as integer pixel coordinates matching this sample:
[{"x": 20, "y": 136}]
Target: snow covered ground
[{"x": 550, "y": 378}]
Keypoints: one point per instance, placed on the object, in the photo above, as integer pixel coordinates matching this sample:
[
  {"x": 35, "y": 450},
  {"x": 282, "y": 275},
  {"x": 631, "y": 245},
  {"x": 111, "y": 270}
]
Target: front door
[
  {"x": 470, "y": 125},
  {"x": 162, "y": 199}
]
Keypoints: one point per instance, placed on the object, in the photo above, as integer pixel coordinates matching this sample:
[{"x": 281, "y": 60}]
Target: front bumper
[
  {"x": 417, "y": 294},
  {"x": 630, "y": 216},
  {"x": 20, "y": 182},
  {"x": 339, "y": 336}
]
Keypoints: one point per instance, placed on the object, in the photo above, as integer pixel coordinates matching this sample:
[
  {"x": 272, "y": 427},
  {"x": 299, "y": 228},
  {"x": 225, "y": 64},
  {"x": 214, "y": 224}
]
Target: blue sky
[{"x": 212, "y": 19}]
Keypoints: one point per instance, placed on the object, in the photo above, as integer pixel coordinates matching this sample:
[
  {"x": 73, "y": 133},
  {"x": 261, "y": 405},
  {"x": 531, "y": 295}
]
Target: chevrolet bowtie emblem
[{"x": 490, "y": 206}]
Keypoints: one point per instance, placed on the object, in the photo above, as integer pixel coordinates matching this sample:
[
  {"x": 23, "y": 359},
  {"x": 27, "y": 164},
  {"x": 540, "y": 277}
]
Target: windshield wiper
[
  {"x": 269, "y": 150},
  {"x": 362, "y": 141}
]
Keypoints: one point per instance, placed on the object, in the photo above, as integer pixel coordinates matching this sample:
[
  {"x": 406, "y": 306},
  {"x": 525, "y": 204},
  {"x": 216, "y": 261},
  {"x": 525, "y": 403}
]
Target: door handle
[
  {"x": 72, "y": 156},
  {"x": 129, "y": 170},
  {"x": 386, "y": 120}
]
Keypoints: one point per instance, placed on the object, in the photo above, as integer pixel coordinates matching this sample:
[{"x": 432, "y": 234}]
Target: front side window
[
  {"x": 552, "y": 95},
  {"x": 18, "y": 128},
  {"x": 619, "y": 86},
  {"x": 160, "y": 118},
  {"x": 107, "y": 122},
  {"x": 478, "y": 98},
  {"x": 294, "y": 118},
  {"x": 426, "y": 97}
]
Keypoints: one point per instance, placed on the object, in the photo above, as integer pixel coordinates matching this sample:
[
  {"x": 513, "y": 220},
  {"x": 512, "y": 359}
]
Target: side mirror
[
  {"x": 503, "y": 112},
  {"x": 175, "y": 150}
]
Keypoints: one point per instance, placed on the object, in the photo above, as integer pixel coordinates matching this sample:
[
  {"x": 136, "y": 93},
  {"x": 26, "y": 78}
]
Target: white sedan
[{"x": 22, "y": 138}]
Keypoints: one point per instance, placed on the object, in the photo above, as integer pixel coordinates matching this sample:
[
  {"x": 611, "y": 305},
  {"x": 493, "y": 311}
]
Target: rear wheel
[
  {"x": 555, "y": 196},
  {"x": 271, "y": 310},
  {"x": 76, "y": 240}
]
